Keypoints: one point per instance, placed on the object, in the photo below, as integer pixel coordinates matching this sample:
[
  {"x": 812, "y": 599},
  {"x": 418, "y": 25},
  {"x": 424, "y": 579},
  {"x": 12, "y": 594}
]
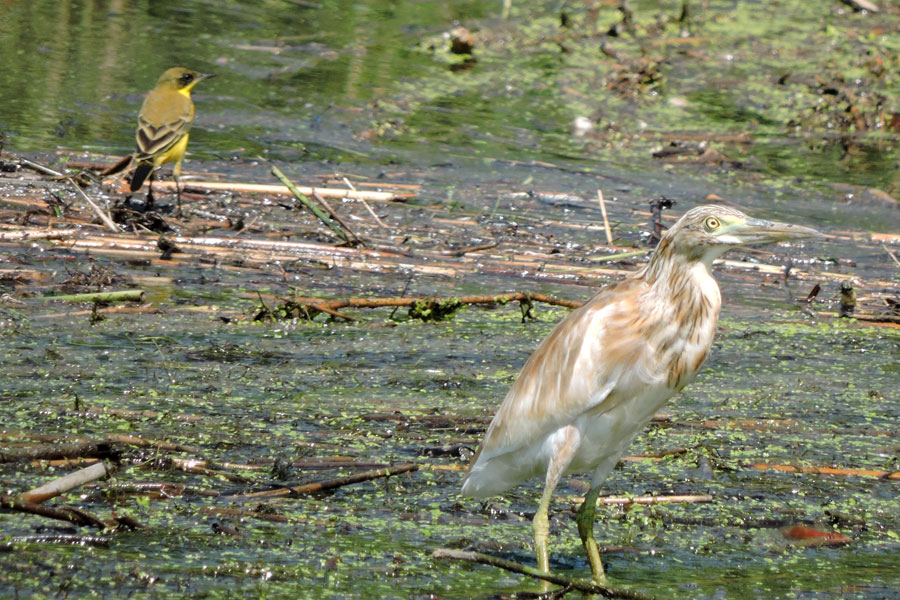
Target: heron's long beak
[{"x": 757, "y": 231}]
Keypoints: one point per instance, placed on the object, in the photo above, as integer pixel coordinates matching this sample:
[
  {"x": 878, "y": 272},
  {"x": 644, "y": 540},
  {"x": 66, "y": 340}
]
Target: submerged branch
[
  {"x": 320, "y": 303},
  {"x": 892, "y": 475},
  {"x": 581, "y": 585},
  {"x": 330, "y": 484},
  {"x": 72, "y": 515},
  {"x": 91, "y": 449}
]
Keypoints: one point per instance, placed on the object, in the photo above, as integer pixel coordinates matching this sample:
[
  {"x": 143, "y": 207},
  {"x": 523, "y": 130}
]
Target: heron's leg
[
  {"x": 565, "y": 444},
  {"x": 541, "y": 526},
  {"x": 585, "y": 520}
]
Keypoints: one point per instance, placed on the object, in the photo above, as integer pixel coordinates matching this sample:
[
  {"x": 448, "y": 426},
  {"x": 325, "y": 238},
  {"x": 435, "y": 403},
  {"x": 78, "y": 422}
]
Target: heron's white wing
[{"x": 578, "y": 368}]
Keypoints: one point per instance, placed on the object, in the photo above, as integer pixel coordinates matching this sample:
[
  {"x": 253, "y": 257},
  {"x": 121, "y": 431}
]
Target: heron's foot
[
  {"x": 597, "y": 573},
  {"x": 541, "y": 526},
  {"x": 585, "y": 521}
]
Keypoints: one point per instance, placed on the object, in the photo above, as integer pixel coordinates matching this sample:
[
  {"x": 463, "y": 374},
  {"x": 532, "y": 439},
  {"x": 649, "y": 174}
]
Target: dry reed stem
[
  {"x": 256, "y": 188},
  {"x": 68, "y": 482},
  {"x": 895, "y": 475}
]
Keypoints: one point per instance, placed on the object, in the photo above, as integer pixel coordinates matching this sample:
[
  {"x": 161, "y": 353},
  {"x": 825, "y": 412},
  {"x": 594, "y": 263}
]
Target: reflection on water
[
  {"x": 75, "y": 72},
  {"x": 352, "y": 81}
]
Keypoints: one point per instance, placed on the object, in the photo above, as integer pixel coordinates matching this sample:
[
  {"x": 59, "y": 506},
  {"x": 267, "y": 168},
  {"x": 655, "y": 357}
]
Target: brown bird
[
  {"x": 597, "y": 379},
  {"x": 163, "y": 126}
]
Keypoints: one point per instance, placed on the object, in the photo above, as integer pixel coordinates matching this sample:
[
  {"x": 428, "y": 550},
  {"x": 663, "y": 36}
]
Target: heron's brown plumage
[{"x": 602, "y": 373}]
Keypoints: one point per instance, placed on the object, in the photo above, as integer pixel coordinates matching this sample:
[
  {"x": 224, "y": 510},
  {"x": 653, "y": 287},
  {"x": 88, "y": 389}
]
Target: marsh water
[{"x": 370, "y": 91}]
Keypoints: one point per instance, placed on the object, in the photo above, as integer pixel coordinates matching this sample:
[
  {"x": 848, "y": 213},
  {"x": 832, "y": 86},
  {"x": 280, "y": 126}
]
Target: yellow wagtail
[{"x": 163, "y": 126}]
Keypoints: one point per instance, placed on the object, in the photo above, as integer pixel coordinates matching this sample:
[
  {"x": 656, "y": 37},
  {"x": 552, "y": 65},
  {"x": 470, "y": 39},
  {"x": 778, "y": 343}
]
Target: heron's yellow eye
[{"x": 711, "y": 223}]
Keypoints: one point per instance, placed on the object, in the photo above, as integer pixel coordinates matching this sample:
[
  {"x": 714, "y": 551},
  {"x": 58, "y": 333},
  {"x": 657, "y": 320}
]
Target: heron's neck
[{"x": 683, "y": 278}]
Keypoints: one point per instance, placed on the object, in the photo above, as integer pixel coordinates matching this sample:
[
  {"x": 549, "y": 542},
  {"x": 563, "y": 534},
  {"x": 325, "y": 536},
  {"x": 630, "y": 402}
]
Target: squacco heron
[{"x": 597, "y": 379}]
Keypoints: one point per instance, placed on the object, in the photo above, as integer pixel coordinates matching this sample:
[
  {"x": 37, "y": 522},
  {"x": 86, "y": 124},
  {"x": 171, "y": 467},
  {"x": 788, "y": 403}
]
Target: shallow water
[{"x": 353, "y": 87}]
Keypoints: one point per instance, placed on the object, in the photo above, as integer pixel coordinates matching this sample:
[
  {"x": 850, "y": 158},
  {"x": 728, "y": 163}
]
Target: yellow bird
[
  {"x": 597, "y": 379},
  {"x": 163, "y": 126}
]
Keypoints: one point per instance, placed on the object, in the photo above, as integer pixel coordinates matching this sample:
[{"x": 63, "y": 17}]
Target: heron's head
[{"x": 706, "y": 232}]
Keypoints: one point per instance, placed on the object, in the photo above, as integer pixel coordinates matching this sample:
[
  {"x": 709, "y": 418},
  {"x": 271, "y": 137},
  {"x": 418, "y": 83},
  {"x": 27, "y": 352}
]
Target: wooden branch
[
  {"x": 62, "y": 538},
  {"x": 117, "y": 296},
  {"x": 383, "y": 302},
  {"x": 581, "y": 585},
  {"x": 329, "y": 484},
  {"x": 192, "y": 466},
  {"x": 255, "y": 188},
  {"x": 895, "y": 475},
  {"x": 243, "y": 514},
  {"x": 647, "y": 500},
  {"x": 72, "y": 515},
  {"x": 162, "y": 489},
  {"x": 133, "y": 440},
  {"x": 619, "y": 256},
  {"x": 68, "y": 482},
  {"x": 91, "y": 449}
]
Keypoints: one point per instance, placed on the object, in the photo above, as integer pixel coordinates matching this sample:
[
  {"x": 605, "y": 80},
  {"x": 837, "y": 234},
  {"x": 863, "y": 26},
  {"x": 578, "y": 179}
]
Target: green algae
[{"x": 824, "y": 393}]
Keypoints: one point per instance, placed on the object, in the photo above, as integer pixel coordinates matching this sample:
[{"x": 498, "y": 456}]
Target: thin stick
[
  {"x": 620, "y": 256},
  {"x": 609, "y": 237},
  {"x": 312, "y": 207},
  {"x": 479, "y": 248},
  {"x": 891, "y": 254},
  {"x": 59, "y": 234},
  {"x": 103, "y": 216},
  {"x": 68, "y": 482},
  {"x": 330, "y": 484},
  {"x": 162, "y": 489},
  {"x": 335, "y": 216},
  {"x": 578, "y": 584},
  {"x": 366, "y": 204}
]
